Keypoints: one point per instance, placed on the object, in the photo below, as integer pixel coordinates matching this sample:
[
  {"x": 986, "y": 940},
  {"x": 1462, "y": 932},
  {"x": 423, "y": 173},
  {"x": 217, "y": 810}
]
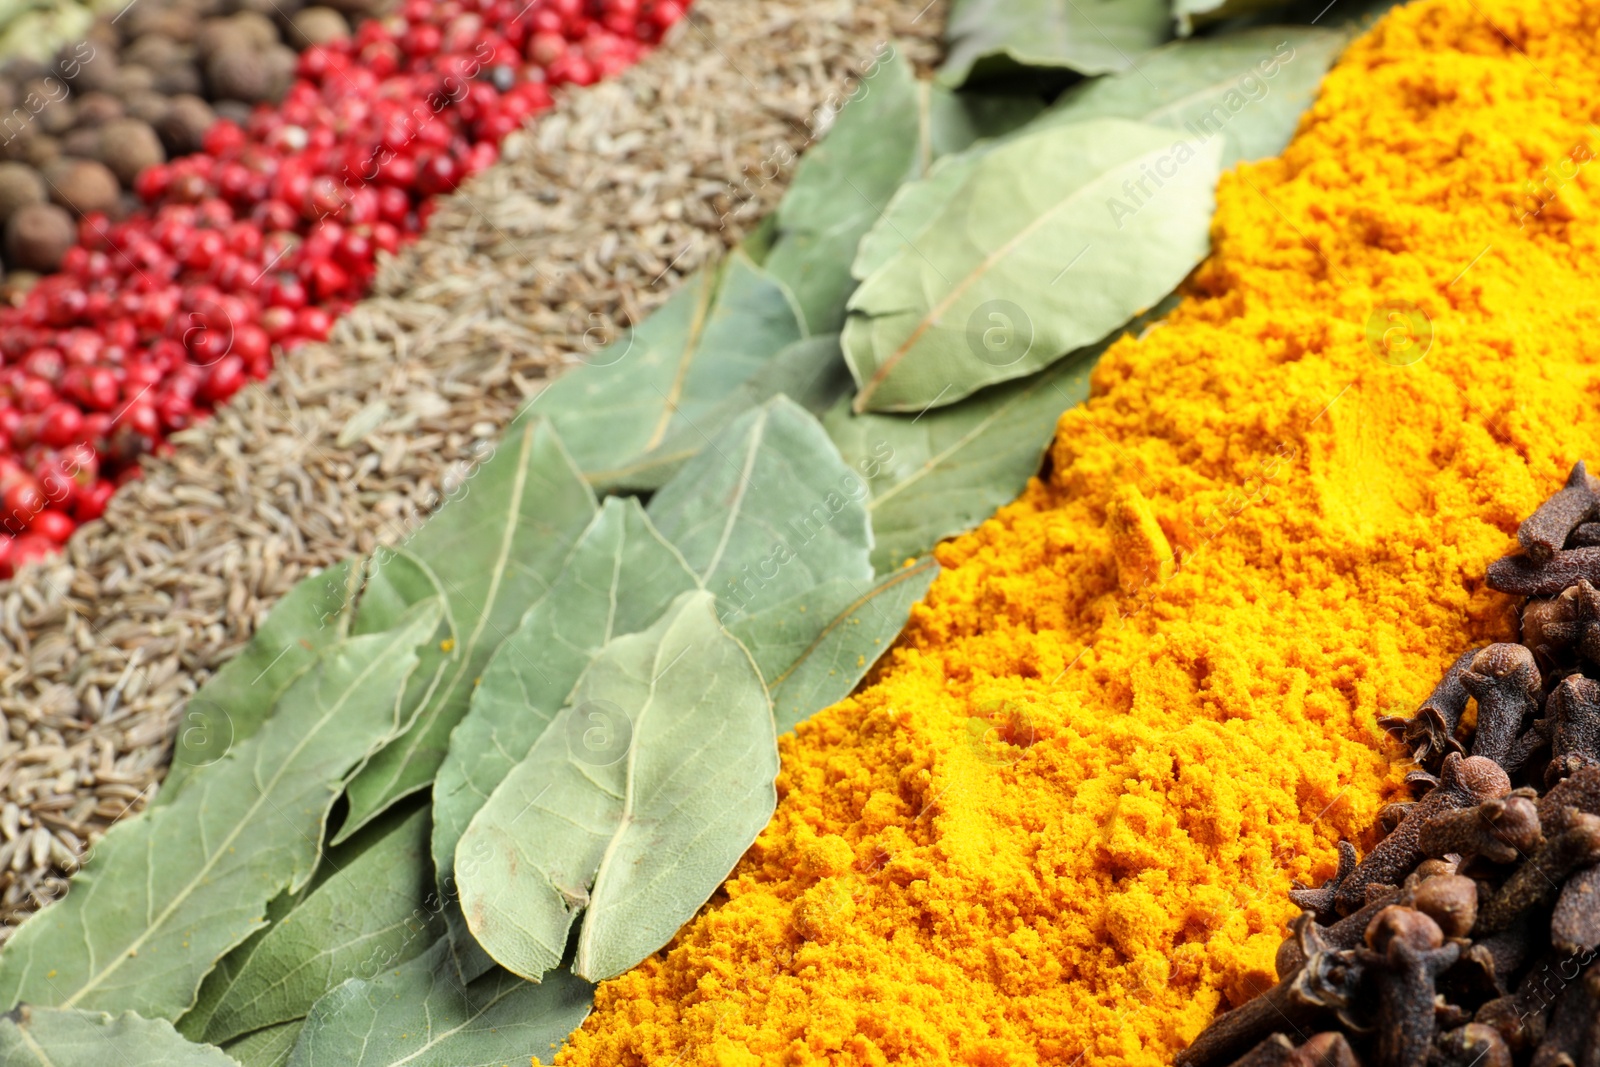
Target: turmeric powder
[{"x": 1059, "y": 825}]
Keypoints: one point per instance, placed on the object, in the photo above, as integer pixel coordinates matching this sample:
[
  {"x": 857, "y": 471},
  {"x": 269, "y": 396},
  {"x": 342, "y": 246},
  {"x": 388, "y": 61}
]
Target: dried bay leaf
[
  {"x": 992, "y": 38},
  {"x": 420, "y": 1015},
  {"x": 941, "y": 473},
  {"x": 59, "y": 1037},
  {"x": 269, "y": 1047},
  {"x": 633, "y": 821},
  {"x": 621, "y": 576},
  {"x": 994, "y": 289},
  {"x": 717, "y": 330},
  {"x": 767, "y": 511},
  {"x": 889, "y": 132},
  {"x": 811, "y": 372},
  {"x": 495, "y": 548},
  {"x": 1249, "y": 87},
  {"x": 807, "y": 667},
  {"x": 364, "y": 919},
  {"x": 169, "y": 893},
  {"x": 239, "y": 697}
]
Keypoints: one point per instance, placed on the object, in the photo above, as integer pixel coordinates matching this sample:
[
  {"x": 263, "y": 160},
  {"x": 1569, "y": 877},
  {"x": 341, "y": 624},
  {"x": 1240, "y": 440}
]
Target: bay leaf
[
  {"x": 811, "y": 372},
  {"x": 807, "y": 667},
  {"x": 1250, "y": 88},
  {"x": 61, "y": 1037},
  {"x": 169, "y": 893},
  {"x": 982, "y": 300},
  {"x": 618, "y": 580},
  {"x": 992, "y": 38},
  {"x": 943, "y": 472},
  {"x": 268, "y": 1047},
  {"x": 631, "y": 808},
  {"x": 366, "y": 918},
  {"x": 238, "y": 698},
  {"x": 767, "y": 510},
  {"x": 912, "y": 211},
  {"x": 420, "y": 1015},
  {"x": 495, "y": 547},
  {"x": 721, "y": 326},
  {"x": 889, "y": 131}
]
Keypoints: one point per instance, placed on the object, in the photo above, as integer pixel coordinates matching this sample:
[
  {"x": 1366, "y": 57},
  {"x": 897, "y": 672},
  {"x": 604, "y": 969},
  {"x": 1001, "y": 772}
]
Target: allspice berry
[
  {"x": 238, "y": 71},
  {"x": 43, "y": 150},
  {"x": 20, "y": 185},
  {"x": 83, "y": 186},
  {"x": 256, "y": 28},
  {"x": 37, "y": 236},
  {"x": 97, "y": 109},
  {"x": 183, "y": 126},
  {"x": 149, "y": 107},
  {"x": 128, "y": 146},
  {"x": 133, "y": 78},
  {"x": 317, "y": 26}
]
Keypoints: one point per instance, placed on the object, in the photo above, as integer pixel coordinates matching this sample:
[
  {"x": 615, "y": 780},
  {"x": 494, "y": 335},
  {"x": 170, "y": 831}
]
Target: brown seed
[
  {"x": 97, "y": 109},
  {"x": 83, "y": 186},
  {"x": 37, "y": 236},
  {"x": 317, "y": 26},
  {"x": 20, "y": 185},
  {"x": 128, "y": 146}
]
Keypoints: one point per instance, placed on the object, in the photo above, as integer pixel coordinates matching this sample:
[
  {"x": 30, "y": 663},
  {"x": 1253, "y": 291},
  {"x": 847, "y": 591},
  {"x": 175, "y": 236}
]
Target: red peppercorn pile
[{"x": 258, "y": 241}]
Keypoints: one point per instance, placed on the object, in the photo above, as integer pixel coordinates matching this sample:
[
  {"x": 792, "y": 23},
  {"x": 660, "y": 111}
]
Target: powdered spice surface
[{"x": 1059, "y": 824}]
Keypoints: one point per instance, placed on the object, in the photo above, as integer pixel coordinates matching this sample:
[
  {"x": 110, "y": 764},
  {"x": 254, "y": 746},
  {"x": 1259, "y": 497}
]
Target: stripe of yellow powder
[{"x": 1059, "y": 825}]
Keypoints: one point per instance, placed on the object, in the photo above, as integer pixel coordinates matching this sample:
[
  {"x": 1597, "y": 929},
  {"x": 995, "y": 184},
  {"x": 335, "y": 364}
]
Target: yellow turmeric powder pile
[{"x": 1059, "y": 825}]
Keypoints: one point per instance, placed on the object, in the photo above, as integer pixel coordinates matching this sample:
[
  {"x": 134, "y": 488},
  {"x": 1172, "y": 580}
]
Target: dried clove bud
[
  {"x": 1430, "y": 733},
  {"x": 1524, "y": 576},
  {"x": 1347, "y": 933},
  {"x": 1574, "y": 711},
  {"x": 1320, "y": 901},
  {"x": 1500, "y": 956},
  {"x": 1537, "y": 881},
  {"x": 1584, "y": 535},
  {"x": 1327, "y": 1049},
  {"x": 1575, "y": 926},
  {"x": 1501, "y": 830},
  {"x": 1505, "y": 681},
  {"x": 1463, "y": 783},
  {"x": 1473, "y": 1045},
  {"x": 1322, "y": 986},
  {"x": 1577, "y": 793},
  {"x": 1550, "y": 626},
  {"x": 1522, "y": 1017},
  {"x": 1449, "y": 900},
  {"x": 1572, "y": 1029},
  {"x": 1545, "y": 532},
  {"x": 1406, "y": 957}
]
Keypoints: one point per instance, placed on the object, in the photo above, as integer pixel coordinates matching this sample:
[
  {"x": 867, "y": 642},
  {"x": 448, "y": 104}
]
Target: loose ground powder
[{"x": 1059, "y": 824}]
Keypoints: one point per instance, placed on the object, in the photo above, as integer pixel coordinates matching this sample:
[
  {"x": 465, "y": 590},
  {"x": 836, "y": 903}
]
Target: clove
[
  {"x": 1538, "y": 879},
  {"x": 1463, "y": 783},
  {"x": 1406, "y": 954},
  {"x": 1524, "y": 576},
  {"x": 1577, "y": 793},
  {"x": 1572, "y": 1030},
  {"x": 1574, "y": 711},
  {"x": 1500, "y": 830},
  {"x": 1473, "y": 1045},
  {"x": 1545, "y": 532},
  {"x": 1430, "y": 733},
  {"x": 1575, "y": 926},
  {"x": 1505, "y": 681}
]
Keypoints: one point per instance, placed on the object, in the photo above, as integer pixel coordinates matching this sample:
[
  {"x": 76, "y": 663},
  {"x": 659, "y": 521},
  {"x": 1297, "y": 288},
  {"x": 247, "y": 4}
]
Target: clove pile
[{"x": 1468, "y": 936}]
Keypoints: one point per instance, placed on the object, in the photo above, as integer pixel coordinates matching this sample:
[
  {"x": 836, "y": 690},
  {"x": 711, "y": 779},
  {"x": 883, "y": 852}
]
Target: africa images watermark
[{"x": 1251, "y": 88}]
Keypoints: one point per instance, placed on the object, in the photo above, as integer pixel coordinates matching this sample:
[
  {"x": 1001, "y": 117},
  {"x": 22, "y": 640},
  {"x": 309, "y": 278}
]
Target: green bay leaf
[
  {"x": 943, "y": 472},
  {"x": 811, "y": 372},
  {"x": 767, "y": 510},
  {"x": 1250, "y": 88},
  {"x": 807, "y": 667},
  {"x": 1044, "y": 250},
  {"x": 718, "y": 329},
  {"x": 993, "y": 38},
  {"x": 631, "y": 808},
  {"x": 494, "y": 548},
  {"x": 365, "y": 918},
  {"x": 419, "y": 1014},
  {"x": 269, "y": 1047},
  {"x": 621, "y": 576},
  {"x": 169, "y": 893},
  {"x": 60, "y": 1037},
  {"x": 239, "y": 697}
]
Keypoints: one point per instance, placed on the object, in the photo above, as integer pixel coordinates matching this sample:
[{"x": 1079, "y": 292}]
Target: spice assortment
[{"x": 1466, "y": 934}]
